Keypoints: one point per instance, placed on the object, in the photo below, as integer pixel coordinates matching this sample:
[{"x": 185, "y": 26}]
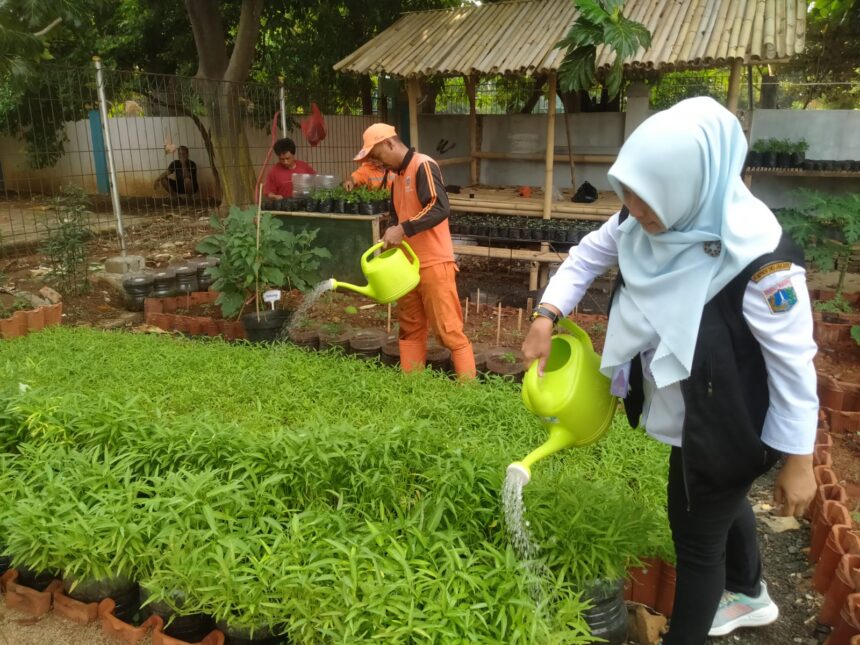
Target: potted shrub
[
  {"x": 756, "y": 152},
  {"x": 247, "y": 267},
  {"x": 798, "y": 152},
  {"x": 324, "y": 200},
  {"x": 783, "y": 148},
  {"x": 769, "y": 150}
]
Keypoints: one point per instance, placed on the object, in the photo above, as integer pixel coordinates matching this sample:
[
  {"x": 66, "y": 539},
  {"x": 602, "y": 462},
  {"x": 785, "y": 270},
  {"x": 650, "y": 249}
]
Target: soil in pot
[
  {"x": 266, "y": 326},
  {"x": 366, "y": 343},
  {"x": 38, "y": 580},
  {"x": 191, "y": 628},
  {"x": 439, "y": 358},
  {"x": 305, "y": 337},
  {"x": 334, "y": 335},
  {"x": 508, "y": 363}
]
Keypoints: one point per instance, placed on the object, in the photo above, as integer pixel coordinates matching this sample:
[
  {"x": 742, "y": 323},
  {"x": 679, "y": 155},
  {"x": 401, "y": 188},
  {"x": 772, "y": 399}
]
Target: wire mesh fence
[{"x": 176, "y": 147}]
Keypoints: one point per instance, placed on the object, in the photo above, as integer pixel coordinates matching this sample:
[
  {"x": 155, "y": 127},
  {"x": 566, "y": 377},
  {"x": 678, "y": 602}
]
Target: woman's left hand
[{"x": 795, "y": 485}]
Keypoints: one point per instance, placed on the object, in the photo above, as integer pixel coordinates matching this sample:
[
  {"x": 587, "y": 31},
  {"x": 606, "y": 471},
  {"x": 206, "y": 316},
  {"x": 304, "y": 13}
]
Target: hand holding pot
[
  {"x": 538, "y": 341},
  {"x": 795, "y": 485}
]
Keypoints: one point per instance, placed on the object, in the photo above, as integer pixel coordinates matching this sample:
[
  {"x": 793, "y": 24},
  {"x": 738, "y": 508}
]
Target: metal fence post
[
  {"x": 283, "y": 107},
  {"x": 114, "y": 189}
]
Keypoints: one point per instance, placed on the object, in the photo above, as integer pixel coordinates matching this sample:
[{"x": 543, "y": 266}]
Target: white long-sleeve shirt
[{"x": 785, "y": 338}]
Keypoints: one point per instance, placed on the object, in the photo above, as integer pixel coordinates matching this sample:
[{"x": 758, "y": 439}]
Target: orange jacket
[
  {"x": 420, "y": 205},
  {"x": 370, "y": 175}
]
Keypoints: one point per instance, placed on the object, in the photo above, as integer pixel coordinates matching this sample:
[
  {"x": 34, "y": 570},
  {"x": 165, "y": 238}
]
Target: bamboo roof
[{"x": 519, "y": 37}]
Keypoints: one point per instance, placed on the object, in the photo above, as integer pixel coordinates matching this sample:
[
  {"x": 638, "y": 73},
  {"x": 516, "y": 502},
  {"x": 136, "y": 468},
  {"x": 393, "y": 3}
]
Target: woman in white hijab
[{"x": 709, "y": 342}]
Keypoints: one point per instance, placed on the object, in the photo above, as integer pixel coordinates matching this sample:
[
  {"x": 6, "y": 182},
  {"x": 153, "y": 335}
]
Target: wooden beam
[
  {"x": 550, "y": 146},
  {"x": 518, "y": 156},
  {"x": 474, "y": 145},
  {"x": 453, "y": 161},
  {"x": 734, "y": 86},
  {"x": 413, "y": 91}
]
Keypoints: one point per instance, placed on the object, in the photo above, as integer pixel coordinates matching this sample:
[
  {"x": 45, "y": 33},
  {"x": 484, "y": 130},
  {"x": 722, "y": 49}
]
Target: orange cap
[{"x": 373, "y": 135}]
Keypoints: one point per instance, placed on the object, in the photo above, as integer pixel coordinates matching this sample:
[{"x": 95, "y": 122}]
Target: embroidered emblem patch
[
  {"x": 713, "y": 248},
  {"x": 767, "y": 269},
  {"x": 781, "y": 297}
]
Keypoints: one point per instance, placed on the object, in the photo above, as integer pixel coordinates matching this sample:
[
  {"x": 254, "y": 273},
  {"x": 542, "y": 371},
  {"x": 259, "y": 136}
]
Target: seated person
[
  {"x": 279, "y": 180},
  {"x": 184, "y": 171},
  {"x": 370, "y": 174}
]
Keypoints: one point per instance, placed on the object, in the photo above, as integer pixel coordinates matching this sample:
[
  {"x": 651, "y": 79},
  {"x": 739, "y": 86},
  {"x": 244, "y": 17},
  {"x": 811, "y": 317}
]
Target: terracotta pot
[
  {"x": 823, "y": 440},
  {"x": 850, "y": 397},
  {"x": 32, "y": 602},
  {"x": 666, "y": 594},
  {"x": 842, "y": 584},
  {"x": 830, "y": 556},
  {"x": 824, "y": 475},
  {"x": 824, "y": 492},
  {"x": 848, "y": 624},
  {"x": 215, "y": 637},
  {"x": 153, "y": 306},
  {"x": 10, "y": 328},
  {"x": 846, "y": 422},
  {"x": 832, "y": 335},
  {"x": 832, "y": 513},
  {"x": 169, "y": 305},
  {"x": 35, "y": 319},
  {"x": 162, "y": 321},
  {"x": 821, "y": 457},
  {"x": 53, "y": 314},
  {"x": 204, "y": 297},
  {"x": 646, "y": 582},
  {"x": 113, "y": 627},
  {"x": 79, "y": 612},
  {"x": 830, "y": 392},
  {"x": 209, "y": 327},
  {"x": 180, "y": 324},
  {"x": 195, "y": 325},
  {"x": 23, "y": 322}
]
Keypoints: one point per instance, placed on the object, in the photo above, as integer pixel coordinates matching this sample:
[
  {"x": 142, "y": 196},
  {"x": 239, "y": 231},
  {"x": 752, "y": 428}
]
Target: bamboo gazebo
[{"x": 519, "y": 38}]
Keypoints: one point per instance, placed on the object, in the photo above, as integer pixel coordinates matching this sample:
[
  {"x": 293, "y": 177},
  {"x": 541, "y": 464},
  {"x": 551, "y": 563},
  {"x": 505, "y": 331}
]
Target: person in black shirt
[{"x": 184, "y": 175}]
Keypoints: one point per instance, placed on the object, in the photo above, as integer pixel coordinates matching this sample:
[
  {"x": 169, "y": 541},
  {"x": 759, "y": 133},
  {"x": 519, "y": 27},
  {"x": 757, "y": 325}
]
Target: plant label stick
[
  {"x": 478, "y": 300},
  {"x": 529, "y": 305},
  {"x": 466, "y": 313},
  {"x": 388, "y": 322},
  {"x": 519, "y": 319},
  {"x": 499, "y": 325}
]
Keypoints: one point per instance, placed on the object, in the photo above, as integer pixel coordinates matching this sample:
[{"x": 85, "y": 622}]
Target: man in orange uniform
[
  {"x": 369, "y": 174},
  {"x": 419, "y": 215}
]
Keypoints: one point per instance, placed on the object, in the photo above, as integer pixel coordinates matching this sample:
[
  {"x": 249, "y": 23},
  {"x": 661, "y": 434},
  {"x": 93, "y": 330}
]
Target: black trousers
[{"x": 716, "y": 548}]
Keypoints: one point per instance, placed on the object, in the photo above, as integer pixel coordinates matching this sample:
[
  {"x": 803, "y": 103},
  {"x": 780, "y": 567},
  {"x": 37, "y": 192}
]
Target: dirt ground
[{"x": 170, "y": 238}]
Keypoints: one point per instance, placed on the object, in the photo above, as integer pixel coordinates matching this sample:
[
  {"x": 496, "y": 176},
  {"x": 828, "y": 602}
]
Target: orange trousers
[{"x": 434, "y": 304}]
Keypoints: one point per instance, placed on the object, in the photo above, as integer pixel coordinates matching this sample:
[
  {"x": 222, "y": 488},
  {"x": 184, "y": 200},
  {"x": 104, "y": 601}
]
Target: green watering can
[
  {"x": 390, "y": 275},
  {"x": 572, "y": 398}
]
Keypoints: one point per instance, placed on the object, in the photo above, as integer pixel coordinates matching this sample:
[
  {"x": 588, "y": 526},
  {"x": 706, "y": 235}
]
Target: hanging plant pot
[
  {"x": 243, "y": 636},
  {"x": 265, "y": 327},
  {"x": 366, "y": 343},
  {"x": 607, "y": 616}
]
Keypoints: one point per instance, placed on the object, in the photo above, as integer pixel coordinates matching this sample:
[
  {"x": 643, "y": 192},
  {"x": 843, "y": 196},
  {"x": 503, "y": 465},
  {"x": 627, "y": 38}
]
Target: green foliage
[
  {"x": 780, "y": 145},
  {"x": 248, "y": 268},
  {"x": 600, "y": 22},
  {"x": 262, "y": 509},
  {"x": 838, "y": 305},
  {"x": 66, "y": 245},
  {"x": 855, "y": 333},
  {"x": 826, "y": 227}
]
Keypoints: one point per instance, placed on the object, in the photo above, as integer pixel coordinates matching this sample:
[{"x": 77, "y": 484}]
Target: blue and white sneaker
[{"x": 739, "y": 610}]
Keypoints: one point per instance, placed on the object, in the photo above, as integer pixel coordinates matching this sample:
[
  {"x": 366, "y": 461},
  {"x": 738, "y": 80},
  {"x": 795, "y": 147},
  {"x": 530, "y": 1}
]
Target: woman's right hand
[{"x": 538, "y": 341}]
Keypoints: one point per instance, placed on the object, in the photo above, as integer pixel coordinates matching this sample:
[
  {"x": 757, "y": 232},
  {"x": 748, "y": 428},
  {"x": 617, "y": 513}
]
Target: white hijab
[{"x": 685, "y": 163}]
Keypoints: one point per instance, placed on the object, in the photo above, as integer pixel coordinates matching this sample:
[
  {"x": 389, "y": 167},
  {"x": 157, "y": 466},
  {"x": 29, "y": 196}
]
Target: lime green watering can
[
  {"x": 572, "y": 398},
  {"x": 390, "y": 275}
]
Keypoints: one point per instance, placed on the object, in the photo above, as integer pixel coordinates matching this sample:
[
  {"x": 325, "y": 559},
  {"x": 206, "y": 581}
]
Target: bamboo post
[
  {"x": 549, "y": 162},
  {"x": 466, "y": 312},
  {"x": 529, "y": 305},
  {"x": 477, "y": 300},
  {"x": 570, "y": 149},
  {"x": 388, "y": 321},
  {"x": 413, "y": 91},
  {"x": 734, "y": 86},
  {"x": 474, "y": 167},
  {"x": 499, "y": 325},
  {"x": 520, "y": 319}
]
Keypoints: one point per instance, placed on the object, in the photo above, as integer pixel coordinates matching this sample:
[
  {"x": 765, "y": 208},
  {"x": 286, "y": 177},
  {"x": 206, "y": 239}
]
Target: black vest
[{"x": 726, "y": 396}]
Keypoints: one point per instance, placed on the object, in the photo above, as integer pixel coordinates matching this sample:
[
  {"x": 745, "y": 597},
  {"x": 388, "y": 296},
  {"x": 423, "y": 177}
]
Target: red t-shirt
[{"x": 279, "y": 181}]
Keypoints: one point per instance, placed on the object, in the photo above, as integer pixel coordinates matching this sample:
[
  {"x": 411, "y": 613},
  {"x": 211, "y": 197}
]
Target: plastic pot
[
  {"x": 190, "y": 628},
  {"x": 186, "y": 278},
  {"x": 325, "y": 205},
  {"x": 783, "y": 159},
  {"x": 366, "y": 343},
  {"x": 265, "y": 328},
  {"x": 204, "y": 280},
  {"x": 334, "y": 337},
  {"x": 38, "y": 580},
  {"x": 753, "y": 159},
  {"x": 242, "y": 636},
  {"x": 498, "y": 363},
  {"x": 390, "y": 351},
  {"x": 439, "y": 358},
  {"x": 607, "y": 616},
  {"x": 137, "y": 287}
]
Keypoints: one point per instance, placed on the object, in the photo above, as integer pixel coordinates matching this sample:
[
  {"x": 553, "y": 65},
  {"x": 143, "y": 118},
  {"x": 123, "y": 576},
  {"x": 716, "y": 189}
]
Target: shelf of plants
[
  {"x": 328, "y": 499},
  {"x": 359, "y": 201}
]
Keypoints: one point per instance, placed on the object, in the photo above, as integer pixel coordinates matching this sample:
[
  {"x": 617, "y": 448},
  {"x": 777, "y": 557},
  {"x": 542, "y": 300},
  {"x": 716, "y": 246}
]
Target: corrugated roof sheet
[{"x": 519, "y": 37}]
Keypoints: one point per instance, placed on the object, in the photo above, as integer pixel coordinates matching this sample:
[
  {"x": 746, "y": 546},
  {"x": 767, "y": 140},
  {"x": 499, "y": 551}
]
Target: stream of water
[
  {"x": 520, "y": 535},
  {"x": 300, "y": 314}
]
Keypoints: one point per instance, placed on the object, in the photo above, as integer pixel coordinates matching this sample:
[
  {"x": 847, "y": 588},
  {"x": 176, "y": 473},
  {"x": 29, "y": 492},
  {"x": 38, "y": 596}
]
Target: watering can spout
[
  {"x": 364, "y": 291},
  {"x": 520, "y": 472}
]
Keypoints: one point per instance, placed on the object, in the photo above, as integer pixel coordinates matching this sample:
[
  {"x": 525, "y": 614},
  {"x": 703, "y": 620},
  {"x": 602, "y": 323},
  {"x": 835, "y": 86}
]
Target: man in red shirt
[
  {"x": 420, "y": 217},
  {"x": 279, "y": 181}
]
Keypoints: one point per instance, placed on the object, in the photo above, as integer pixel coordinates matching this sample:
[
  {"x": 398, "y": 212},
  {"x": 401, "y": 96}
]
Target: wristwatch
[{"x": 540, "y": 310}]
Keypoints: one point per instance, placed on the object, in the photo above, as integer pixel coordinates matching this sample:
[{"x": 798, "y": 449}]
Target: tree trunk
[
  {"x": 366, "y": 96},
  {"x": 537, "y": 92},
  {"x": 768, "y": 98}
]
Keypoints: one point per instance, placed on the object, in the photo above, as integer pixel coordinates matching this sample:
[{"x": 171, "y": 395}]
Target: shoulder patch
[
  {"x": 781, "y": 297},
  {"x": 767, "y": 269}
]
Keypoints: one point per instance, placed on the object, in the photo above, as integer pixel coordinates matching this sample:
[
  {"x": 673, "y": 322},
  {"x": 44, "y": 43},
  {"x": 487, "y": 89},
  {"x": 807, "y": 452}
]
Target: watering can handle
[
  {"x": 406, "y": 246},
  {"x": 576, "y": 331},
  {"x": 368, "y": 253}
]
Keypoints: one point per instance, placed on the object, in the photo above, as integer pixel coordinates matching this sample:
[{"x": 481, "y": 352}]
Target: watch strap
[{"x": 545, "y": 312}]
